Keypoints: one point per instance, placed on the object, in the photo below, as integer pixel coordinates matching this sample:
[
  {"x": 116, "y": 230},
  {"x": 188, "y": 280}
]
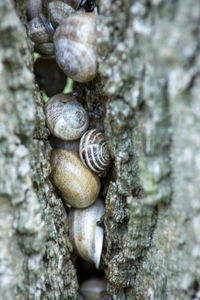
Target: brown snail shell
[
  {"x": 85, "y": 235},
  {"x": 59, "y": 10},
  {"x": 41, "y": 32},
  {"x": 49, "y": 76},
  {"x": 74, "y": 43},
  {"x": 66, "y": 118},
  {"x": 94, "y": 151},
  {"x": 78, "y": 185},
  {"x": 92, "y": 289}
]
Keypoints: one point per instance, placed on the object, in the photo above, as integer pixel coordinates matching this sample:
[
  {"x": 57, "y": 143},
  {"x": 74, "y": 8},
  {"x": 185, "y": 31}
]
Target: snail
[
  {"x": 74, "y": 42},
  {"x": 78, "y": 186},
  {"x": 66, "y": 118},
  {"x": 92, "y": 289},
  {"x": 41, "y": 32},
  {"x": 58, "y": 11},
  {"x": 34, "y": 8},
  {"x": 85, "y": 235},
  {"x": 93, "y": 151},
  {"x": 49, "y": 76}
]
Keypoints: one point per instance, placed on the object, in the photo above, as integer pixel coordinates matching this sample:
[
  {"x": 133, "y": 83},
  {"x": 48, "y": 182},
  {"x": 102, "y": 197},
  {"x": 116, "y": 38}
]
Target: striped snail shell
[
  {"x": 59, "y": 10},
  {"x": 93, "y": 288},
  {"x": 66, "y": 118},
  {"x": 94, "y": 151},
  {"x": 74, "y": 42},
  {"x": 41, "y": 32},
  {"x": 79, "y": 187},
  {"x": 85, "y": 235}
]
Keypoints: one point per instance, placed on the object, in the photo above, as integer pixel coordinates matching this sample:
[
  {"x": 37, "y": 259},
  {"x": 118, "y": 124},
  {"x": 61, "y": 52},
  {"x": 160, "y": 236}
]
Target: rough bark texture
[
  {"x": 148, "y": 86},
  {"x": 35, "y": 250},
  {"x": 152, "y": 122}
]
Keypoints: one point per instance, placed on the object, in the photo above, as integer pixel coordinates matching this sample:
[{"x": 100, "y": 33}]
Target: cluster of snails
[
  {"x": 63, "y": 29},
  {"x": 75, "y": 174}
]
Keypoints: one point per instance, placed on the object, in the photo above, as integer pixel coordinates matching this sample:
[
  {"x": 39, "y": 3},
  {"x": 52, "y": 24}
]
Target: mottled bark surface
[
  {"x": 152, "y": 121},
  {"x": 35, "y": 250},
  {"x": 147, "y": 91}
]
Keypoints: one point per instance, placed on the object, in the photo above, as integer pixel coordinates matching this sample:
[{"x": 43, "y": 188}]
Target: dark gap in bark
[
  {"x": 195, "y": 289},
  {"x": 86, "y": 270}
]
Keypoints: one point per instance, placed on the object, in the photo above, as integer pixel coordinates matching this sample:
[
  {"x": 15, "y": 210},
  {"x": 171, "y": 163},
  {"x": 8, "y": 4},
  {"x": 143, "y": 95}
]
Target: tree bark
[
  {"x": 153, "y": 126},
  {"x": 35, "y": 249},
  {"x": 147, "y": 92}
]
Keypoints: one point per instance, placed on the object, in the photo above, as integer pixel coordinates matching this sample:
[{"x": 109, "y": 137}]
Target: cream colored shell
[
  {"x": 92, "y": 289},
  {"x": 86, "y": 236},
  {"x": 74, "y": 42},
  {"x": 78, "y": 185},
  {"x": 66, "y": 118}
]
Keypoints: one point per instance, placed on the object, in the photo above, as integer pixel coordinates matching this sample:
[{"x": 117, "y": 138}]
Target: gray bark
[
  {"x": 35, "y": 249},
  {"x": 148, "y": 84},
  {"x": 153, "y": 126}
]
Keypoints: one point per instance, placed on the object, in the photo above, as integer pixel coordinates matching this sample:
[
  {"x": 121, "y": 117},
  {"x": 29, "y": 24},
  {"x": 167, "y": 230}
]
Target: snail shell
[
  {"x": 49, "y": 76},
  {"x": 41, "y": 32},
  {"x": 59, "y": 10},
  {"x": 46, "y": 48},
  {"x": 66, "y": 118},
  {"x": 92, "y": 289},
  {"x": 94, "y": 151},
  {"x": 34, "y": 8},
  {"x": 78, "y": 185},
  {"x": 86, "y": 236},
  {"x": 74, "y": 43}
]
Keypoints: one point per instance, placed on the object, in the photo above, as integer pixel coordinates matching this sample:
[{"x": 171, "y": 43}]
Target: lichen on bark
[
  {"x": 151, "y": 78},
  {"x": 147, "y": 93},
  {"x": 35, "y": 257}
]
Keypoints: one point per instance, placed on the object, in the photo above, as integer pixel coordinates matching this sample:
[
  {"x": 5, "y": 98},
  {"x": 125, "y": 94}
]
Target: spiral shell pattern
[
  {"x": 74, "y": 42},
  {"x": 41, "y": 32},
  {"x": 66, "y": 118},
  {"x": 58, "y": 11},
  {"x": 93, "y": 151}
]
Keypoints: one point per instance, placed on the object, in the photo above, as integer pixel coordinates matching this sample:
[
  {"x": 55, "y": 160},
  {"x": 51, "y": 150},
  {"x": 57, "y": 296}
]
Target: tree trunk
[
  {"x": 147, "y": 91},
  {"x": 35, "y": 249}
]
